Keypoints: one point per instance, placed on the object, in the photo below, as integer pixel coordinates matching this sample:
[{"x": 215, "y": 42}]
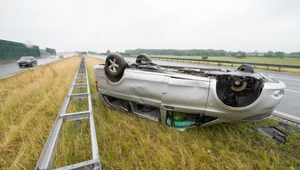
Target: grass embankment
[
  {"x": 285, "y": 61},
  {"x": 128, "y": 142},
  {"x": 29, "y": 104}
]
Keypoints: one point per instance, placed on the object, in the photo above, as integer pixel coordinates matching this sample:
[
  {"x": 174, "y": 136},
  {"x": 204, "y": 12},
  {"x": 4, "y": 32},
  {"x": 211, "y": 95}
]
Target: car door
[
  {"x": 143, "y": 87},
  {"x": 185, "y": 93}
]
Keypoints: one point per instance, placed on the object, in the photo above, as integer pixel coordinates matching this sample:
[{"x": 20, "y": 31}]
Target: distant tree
[
  {"x": 294, "y": 54},
  {"x": 204, "y": 57},
  {"x": 108, "y": 52},
  {"x": 240, "y": 54},
  {"x": 269, "y": 54},
  {"x": 279, "y": 54},
  {"x": 255, "y": 53}
]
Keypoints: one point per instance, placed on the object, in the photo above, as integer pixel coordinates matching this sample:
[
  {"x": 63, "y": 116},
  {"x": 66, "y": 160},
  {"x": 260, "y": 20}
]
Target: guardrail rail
[
  {"x": 280, "y": 66},
  {"x": 47, "y": 156}
]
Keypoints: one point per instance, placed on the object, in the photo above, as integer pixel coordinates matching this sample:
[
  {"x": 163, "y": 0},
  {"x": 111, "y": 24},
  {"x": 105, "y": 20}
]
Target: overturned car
[{"x": 185, "y": 97}]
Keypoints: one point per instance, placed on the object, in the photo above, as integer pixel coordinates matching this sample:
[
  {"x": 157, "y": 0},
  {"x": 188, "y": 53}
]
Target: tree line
[
  {"x": 204, "y": 53},
  {"x": 211, "y": 52},
  {"x": 192, "y": 52}
]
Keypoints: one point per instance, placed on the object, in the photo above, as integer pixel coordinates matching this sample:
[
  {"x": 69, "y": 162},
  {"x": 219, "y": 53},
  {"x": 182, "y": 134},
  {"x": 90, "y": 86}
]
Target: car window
[{"x": 25, "y": 58}]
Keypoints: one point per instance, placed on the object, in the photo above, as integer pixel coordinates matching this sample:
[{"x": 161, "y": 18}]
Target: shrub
[{"x": 204, "y": 57}]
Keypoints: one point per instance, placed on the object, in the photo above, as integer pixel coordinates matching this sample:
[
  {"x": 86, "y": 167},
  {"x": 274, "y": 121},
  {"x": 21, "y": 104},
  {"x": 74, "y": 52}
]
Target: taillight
[{"x": 96, "y": 85}]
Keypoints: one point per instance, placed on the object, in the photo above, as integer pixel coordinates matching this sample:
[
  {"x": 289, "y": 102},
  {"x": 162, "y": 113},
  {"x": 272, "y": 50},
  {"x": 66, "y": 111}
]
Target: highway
[
  {"x": 13, "y": 68},
  {"x": 290, "y": 104}
]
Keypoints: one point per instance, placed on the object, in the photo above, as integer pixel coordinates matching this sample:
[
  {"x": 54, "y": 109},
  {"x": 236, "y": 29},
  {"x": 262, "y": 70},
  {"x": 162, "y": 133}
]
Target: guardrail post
[
  {"x": 267, "y": 67},
  {"x": 219, "y": 64},
  {"x": 78, "y": 123},
  {"x": 279, "y": 68},
  {"x": 231, "y": 64}
]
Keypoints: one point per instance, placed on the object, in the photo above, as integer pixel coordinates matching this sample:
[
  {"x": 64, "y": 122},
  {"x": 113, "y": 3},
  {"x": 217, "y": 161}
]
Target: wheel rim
[
  {"x": 113, "y": 67},
  {"x": 242, "y": 69}
]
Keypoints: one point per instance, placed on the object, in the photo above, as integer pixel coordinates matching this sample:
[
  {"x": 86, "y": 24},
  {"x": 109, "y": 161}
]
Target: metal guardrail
[
  {"x": 48, "y": 153},
  {"x": 294, "y": 120},
  {"x": 229, "y": 62}
]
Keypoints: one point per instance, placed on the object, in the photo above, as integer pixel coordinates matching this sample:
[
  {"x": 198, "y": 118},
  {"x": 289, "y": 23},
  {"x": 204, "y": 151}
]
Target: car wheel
[
  {"x": 143, "y": 59},
  {"x": 246, "y": 68},
  {"x": 115, "y": 66}
]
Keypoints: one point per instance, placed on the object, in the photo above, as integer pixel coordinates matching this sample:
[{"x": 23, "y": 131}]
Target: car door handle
[{"x": 169, "y": 107}]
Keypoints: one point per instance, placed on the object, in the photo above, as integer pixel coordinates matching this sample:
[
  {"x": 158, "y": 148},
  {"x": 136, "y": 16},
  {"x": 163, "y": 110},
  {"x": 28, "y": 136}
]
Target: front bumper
[
  {"x": 260, "y": 109},
  {"x": 24, "y": 64}
]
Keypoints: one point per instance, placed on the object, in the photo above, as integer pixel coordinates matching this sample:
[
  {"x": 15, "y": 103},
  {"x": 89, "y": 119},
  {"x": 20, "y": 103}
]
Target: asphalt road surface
[
  {"x": 290, "y": 104},
  {"x": 13, "y": 68}
]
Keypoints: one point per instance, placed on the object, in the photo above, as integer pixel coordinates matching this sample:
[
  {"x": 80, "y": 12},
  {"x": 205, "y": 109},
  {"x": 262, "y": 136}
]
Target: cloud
[{"x": 119, "y": 25}]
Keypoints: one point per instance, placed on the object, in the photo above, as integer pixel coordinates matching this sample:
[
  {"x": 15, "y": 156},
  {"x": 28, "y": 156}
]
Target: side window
[{"x": 182, "y": 120}]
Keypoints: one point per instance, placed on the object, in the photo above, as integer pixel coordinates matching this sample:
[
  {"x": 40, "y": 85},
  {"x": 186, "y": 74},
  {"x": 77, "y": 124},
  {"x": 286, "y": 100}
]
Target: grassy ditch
[{"x": 125, "y": 142}]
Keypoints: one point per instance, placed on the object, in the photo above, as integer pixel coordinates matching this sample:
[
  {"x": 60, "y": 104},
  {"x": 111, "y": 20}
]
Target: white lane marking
[
  {"x": 286, "y": 78},
  {"x": 294, "y": 91},
  {"x": 287, "y": 116}
]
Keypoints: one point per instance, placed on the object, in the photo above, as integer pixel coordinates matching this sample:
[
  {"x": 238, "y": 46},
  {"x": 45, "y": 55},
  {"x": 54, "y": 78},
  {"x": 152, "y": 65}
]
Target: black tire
[
  {"x": 115, "y": 66},
  {"x": 143, "y": 59},
  {"x": 246, "y": 68}
]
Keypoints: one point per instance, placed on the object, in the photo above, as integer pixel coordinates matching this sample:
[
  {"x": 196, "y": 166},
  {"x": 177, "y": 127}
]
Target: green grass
[{"x": 125, "y": 142}]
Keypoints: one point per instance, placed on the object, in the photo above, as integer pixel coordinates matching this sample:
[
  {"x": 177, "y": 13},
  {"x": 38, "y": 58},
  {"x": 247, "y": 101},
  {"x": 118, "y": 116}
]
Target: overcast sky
[{"x": 117, "y": 25}]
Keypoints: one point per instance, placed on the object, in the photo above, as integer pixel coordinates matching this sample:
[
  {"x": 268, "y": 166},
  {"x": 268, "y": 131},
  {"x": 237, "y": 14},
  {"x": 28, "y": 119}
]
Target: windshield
[{"x": 25, "y": 58}]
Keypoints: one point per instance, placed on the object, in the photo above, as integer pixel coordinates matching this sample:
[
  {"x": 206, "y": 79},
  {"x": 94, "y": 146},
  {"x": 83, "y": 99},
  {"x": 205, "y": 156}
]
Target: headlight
[{"x": 277, "y": 93}]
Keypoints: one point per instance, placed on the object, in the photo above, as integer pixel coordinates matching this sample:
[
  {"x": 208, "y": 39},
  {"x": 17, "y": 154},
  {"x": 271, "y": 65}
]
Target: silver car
[
  {"x": 184, "y": 97},
  {"x": 27, "y": 61}
]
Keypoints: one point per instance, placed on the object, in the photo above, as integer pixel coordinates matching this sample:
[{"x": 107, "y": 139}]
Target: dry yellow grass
[
  {"x": 125, "y": 142},
  {"x": 29, "y": 103}
]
